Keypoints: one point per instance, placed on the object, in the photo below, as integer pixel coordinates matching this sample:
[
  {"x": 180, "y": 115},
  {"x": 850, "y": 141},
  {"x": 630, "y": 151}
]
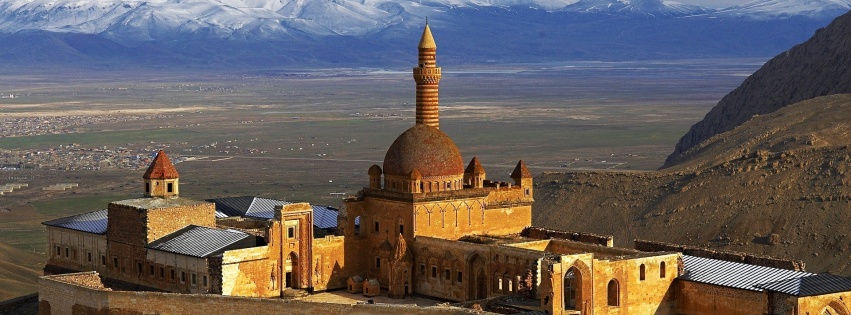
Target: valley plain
[{"x": 310, "y": 135}]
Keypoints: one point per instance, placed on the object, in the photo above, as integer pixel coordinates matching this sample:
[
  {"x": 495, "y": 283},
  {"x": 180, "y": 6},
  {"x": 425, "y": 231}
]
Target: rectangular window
[
  {"x": 172, "y": 275},
  {"x": 151, "y": 270},
  {"x": 58, "y": 251},
  {"x": 182, "y": 277},
  {"x": 162, "y": 273},
  {"x": 147, "y": 187},
  {"x": 460, "y": 277},
  {"x": 204, "y": 279},
  {"x": 377, "y": 262},
  {"x": 401, "y": 229},
  {"x": 115, "y": 262},
  {"x": 446, "y": 274},
  {"x": 422, "y": 269},
  {"x": 376, "y": 227},
  {"x": 89, "y": 257},
  {"x": 170, "y": 187},
  {"x": 291, "y": 232},
  {"x": 193, "y": 279},
  {"x": 433, "y": 272},
  {"x": 138, "y": 267},
  {"x": 67, "y": 252},
  {"x": 103, "y": 260}
]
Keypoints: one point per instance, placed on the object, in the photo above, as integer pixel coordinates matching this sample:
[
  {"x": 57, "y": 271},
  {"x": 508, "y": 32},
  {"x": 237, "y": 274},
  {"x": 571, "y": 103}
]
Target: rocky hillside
[
  {"x": 815, "y": 68},
  {"x": 779, "y": 184}
]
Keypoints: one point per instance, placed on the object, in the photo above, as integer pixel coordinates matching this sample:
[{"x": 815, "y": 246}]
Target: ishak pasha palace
[{"x": 426, "y": 227}]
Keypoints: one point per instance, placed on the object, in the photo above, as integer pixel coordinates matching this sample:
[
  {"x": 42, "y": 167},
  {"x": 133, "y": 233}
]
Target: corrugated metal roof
[
  {"x": 92, "y": 222},
  {"x": 734, "y": 274},
  {"x": 325, "y": 217},
  {"x": 810, "y": 285},
  {"x": 198, "y": 241}
]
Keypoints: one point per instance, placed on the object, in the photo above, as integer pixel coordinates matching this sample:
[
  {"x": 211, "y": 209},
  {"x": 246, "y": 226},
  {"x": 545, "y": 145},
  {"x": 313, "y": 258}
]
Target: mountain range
[{"x": 378, "y": 32}]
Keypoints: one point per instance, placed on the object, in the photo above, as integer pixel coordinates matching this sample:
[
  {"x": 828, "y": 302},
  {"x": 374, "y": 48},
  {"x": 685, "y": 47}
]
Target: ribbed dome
[{"x": 425, "y": 149}]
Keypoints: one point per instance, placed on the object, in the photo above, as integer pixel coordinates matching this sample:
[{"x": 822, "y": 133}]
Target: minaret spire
[{"x": 427, "y": 76}]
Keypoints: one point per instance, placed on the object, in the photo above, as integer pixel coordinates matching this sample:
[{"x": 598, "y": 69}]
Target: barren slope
[
  {"x": 786, "y": 173},
  {"x": 818, "y": 67}
]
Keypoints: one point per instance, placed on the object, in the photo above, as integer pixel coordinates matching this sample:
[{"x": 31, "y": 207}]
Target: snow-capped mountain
[
  {"x": 773, "y": 9},
  {"x": 370, "y": 31}
]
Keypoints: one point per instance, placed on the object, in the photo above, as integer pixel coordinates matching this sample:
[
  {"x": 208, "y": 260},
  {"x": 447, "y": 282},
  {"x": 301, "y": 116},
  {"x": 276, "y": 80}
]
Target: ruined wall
[
  {"x": 695, "y": 298},
  {"x": 591, "y": 238},
  {"x": 636, "y": 292},
  {"x": 63, "y": 296},
  {"x": 329, "y": 263},
  {"x": 566, "y": 247},
  {"x": 249, "y": 272},
  {"x": 753, "y": 259}
]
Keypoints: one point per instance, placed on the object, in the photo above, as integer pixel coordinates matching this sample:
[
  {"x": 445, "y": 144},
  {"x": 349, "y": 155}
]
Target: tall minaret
[{"x": 427, "y": 76}]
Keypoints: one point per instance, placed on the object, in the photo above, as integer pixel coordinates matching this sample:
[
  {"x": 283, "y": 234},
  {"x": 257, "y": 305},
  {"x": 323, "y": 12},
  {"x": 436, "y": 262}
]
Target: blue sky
[{"x": 714, "y": 3}]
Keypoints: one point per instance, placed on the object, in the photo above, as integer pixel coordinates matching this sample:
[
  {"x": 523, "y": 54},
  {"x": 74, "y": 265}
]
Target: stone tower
[
  {"x": 427, "y": 76},
  {"x": 161, "y": 178}
]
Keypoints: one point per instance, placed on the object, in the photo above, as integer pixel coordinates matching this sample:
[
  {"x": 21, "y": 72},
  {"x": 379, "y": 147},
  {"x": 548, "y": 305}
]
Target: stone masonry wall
[
  {"x": 767, "y": 261},
  {"x": 164, "y": 221},
  {"x": 66, "y": 297},
  {"x": 542, "y": 234}
]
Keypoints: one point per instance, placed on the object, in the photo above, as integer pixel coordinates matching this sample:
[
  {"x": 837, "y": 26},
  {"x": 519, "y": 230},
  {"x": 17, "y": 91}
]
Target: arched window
[
  {"x": 357, "y": 225},
  {"x": 662, "y": 270},
  {"x": 641, "y": 274},
  {"x": 613, "y": 293}
]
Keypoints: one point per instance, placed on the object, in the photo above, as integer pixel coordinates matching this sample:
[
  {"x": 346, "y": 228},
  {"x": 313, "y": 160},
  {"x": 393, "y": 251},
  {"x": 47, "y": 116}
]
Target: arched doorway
[
  {"x": 477, "y": 284},
  {"x": 291, "y": 270},
  {"x": 572, "y": 289}
]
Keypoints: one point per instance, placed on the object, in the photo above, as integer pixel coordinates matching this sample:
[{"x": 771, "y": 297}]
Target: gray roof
[
  {"x": 92, "y": 222},
  {"x": 158, "y": 203},
  {"x": 734, "y": 274},
  {"x": 810, "y": 285},
  {"x": 324, "y": 217},
  {"x": 199, "y": 241}
]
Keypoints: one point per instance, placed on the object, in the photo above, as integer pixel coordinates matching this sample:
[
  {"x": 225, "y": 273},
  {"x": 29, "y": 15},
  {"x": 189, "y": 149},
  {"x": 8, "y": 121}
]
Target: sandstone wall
[
  {"x": 68, "y": 296},
  {"x": 753, "y": 259},
  {"x": 249, "y": 272},
  {"x": 164, "y": 221},
  {"x": 591, "y": 238},
  {"x": 695, "y": 298},
  {"x": 329, "y": 256}
]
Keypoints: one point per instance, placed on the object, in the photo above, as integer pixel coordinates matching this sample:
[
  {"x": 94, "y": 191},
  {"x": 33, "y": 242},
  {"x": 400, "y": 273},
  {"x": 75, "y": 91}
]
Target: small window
[
  {"x": 422, "y": 269},
  {"x": 204, "y": 280},
  {"x": 641, "y": 270},
  {"x": 291, "y": 232},
  {"x": 170, "y": 187},
  {"x": 172, "y": 275},
  {"x": 182, "y": 277},
  {"x": 376, "y": 227},
  {"x": 147, "y": 187},
  {"x": 447, "y": 274},
  {"x": 67, "y": 252},
  {"x": 103, "y": 260},
  {"x": 138, "y": 267},
  {"x": 613, "y": 293},
  {"x": 162, "y": 272},
  {"x": 527, "y": 191},
  {"x": 193, "y": 279},
  {"x": 89, "y": 257},
  {"x": 151, "y": 270},
  {"x": 377, "y": 262},
  {"x": 662, "y": 270},
  {"x": 58, "y": 251},
  {"x": 357, "y": 225},
  {"x": 460, "y": 277},
  {"x": 401, "y": 229},
  {"x": 115, "y": 262},
  {"x": 433, "y": 272}
]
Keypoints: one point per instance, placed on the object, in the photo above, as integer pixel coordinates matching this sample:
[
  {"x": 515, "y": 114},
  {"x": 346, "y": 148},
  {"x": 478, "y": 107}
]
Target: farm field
[{"x": 310, "y": 135}]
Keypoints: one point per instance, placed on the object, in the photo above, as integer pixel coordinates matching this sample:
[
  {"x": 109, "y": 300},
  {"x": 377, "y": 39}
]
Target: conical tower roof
[
  {"x": 161, "y": 168},
  {"x": 427, "y": 41},
  {"x": 401, "y": 251},
  {"x": 475, "y": 167},
  {"x": 521, "y": 171}
]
